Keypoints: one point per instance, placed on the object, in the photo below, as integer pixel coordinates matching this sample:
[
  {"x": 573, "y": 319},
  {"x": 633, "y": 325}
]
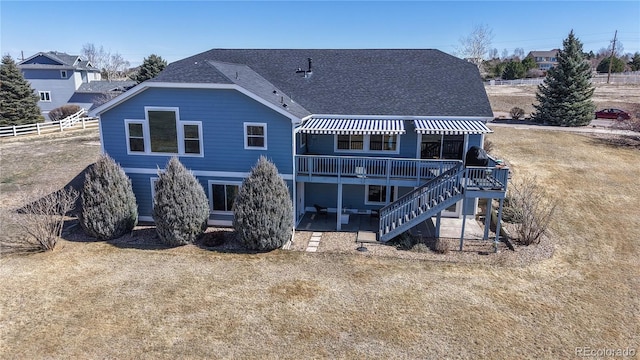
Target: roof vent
[{"x": 308, "y": 72}]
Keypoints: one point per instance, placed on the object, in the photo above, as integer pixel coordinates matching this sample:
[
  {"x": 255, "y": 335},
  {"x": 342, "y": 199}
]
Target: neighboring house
[
  {"x": 545, "y": 59},
  {"x": 359, "y": 130},
  {"x": 56, "y": 76},
  {"x": 95, "y": 93}
]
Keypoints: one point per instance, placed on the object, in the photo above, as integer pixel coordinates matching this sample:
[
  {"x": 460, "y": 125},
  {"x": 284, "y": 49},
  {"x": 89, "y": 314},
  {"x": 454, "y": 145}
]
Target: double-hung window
[
  {"x": 369, "y": 143},
  {"x": 383, "y": 142},
  {"x": 222, "y": 196},
  {"x": 255, "y": 136},
  {"x": 351, "y": 142},
  {"x": 135, "y": 134},
  {"x": 45, "y": 96},
  {"x": 162, "y": 132}
]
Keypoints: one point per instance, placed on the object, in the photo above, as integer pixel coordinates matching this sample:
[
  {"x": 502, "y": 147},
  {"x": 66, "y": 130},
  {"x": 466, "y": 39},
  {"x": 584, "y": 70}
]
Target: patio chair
[{"x": 320, "y": 210}]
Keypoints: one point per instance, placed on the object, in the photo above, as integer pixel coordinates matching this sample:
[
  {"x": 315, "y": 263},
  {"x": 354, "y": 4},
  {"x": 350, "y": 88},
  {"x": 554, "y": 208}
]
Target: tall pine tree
[
  {"x": 18, "y": 102},
  {"x": 565, "y": 95},
  {"x": 150, "y": 68}
]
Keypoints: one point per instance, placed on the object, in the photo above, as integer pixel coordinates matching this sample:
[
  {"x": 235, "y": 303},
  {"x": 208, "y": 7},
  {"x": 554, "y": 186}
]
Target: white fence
[
  {"x": 73, "y": 122},
  {"x": 616, "y": 79}
]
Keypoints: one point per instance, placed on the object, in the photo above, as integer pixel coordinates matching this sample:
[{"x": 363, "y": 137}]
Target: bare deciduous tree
[
  {"x": 493, "y": 54},
  {"x": 117, "y": 67},
  {"x": 98, "y": 57},
  {"x": 476, "y": 45},
  {"x": 530, "y": 210},
  {"x": 505, "y": 54},
  {"x": 518, "y": 53},
  {"x": 41, "y": 220},
  {"x": 113, "y": 65}
]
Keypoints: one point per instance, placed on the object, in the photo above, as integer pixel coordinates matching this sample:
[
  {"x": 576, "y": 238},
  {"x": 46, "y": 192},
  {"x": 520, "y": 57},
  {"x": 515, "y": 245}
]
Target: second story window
[
  {"x": 383, "y": 142},
  {"x": 367, "y": 143},
  {"x": 351, "y": 142},
  {"x": 255, "y": 136},
  {"x": 136, "y": 136},
  {"x": 45, "y": 96},
  {"x": 63, "y": 74},
  {"x": 162, "y": 132}
]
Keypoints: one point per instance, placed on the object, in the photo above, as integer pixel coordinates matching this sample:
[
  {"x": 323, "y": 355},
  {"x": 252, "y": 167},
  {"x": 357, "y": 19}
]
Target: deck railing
[
  {"x": 428, "y": 198},
  {"x": 371, "y": 167}
]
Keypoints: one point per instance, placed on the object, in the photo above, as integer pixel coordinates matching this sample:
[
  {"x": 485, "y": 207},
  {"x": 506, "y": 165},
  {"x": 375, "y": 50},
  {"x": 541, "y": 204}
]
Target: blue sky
[{"x": 175, "y": 30}]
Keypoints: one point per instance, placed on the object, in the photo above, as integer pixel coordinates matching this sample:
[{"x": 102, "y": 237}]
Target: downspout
[{"x": 294, "y": 183}]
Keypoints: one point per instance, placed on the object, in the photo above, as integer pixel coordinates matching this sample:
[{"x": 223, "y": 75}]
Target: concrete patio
[{"x": 449, "y": 227}]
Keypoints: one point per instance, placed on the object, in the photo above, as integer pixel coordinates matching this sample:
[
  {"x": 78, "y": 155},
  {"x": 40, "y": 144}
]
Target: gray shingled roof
[
  {"x": 544, "y": 53},
  {"x": 418, "y": 82},
  {"x": 103, "y": 86},
  {"x": 67, "y": 62}
]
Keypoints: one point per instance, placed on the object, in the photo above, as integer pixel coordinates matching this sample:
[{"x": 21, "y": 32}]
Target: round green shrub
[
  {"x": 263, "y": 212},
  {"x": 180, "y": 206},
  {"x": 109, "y": 207}
]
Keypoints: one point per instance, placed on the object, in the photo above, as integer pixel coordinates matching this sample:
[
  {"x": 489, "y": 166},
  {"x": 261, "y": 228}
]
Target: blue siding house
[{"x": 380, "y": 132}]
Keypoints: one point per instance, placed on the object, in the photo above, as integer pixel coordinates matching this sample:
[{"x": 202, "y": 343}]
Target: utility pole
[{"x": 613, "y": 51}]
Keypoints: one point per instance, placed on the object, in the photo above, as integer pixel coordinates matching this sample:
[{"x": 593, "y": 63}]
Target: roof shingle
[{"x": 407, "y": 82}]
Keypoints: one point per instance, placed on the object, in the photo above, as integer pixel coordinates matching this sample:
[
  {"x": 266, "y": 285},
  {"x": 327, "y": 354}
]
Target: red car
[{"x": 616, "y": 114}]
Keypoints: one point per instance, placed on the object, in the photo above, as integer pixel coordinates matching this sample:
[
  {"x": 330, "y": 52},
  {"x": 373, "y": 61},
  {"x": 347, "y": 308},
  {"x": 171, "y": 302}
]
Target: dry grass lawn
[
  {"x": 108, "y": 300},
  {"x": 621, "y": 96}
]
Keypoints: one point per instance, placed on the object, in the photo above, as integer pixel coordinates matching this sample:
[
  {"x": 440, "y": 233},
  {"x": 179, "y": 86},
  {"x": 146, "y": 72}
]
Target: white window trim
[
  {"x": 366, "y": 195},
  {"x": 210, "y": 190},
  {"x": 246, "y": 145},
  {"x": 366, "y": 144},
  {"x": 179, "y": 131},
  {"x": 199, "y": 125},
  {"x": 144, "y": 138},
  {"x": 63, "y": 74},
  {"x": 47, "y": 95}
]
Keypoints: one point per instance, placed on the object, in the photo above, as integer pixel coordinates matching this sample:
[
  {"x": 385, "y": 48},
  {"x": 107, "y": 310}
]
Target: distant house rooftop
[{"x": 56, "y": 60}]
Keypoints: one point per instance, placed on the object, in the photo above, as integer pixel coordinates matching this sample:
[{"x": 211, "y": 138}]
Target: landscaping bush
[
  {"x": 516, "y": 113},
  {"x": 420, "y": 248},
  {"x": 263, "y": 212},
  {"x": 109, "y": 207},
  {"x": 63, "y": 111},
  {"x": 530, "y": 210},
  {"x": 404, "y": 241},
  {"x": 41, "y": 220},
  {"x": 441, "y": 246},
  {"x": 180, "y": 206}
]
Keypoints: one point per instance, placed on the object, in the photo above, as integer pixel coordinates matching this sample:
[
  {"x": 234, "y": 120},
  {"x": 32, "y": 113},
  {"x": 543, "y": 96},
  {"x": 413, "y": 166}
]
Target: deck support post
[
  {"x": 487, "y": 219},
  {"x": 464, "y": 222},
  {"x": 495, "y": 245},
  {"x": 339, "y": 208},
  {"x": 438, "y": 222}
]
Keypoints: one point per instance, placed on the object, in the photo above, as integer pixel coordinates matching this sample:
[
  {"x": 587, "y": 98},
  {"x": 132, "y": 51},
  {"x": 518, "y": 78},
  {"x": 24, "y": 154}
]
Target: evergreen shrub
[
  {"x": 109, "y": 207},
  {"x": 263, "y": 212},
  {"x": 180, "y": 205}
]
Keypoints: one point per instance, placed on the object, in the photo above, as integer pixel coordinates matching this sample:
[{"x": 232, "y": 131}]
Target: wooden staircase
[{"x": 422, "y": 203}]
